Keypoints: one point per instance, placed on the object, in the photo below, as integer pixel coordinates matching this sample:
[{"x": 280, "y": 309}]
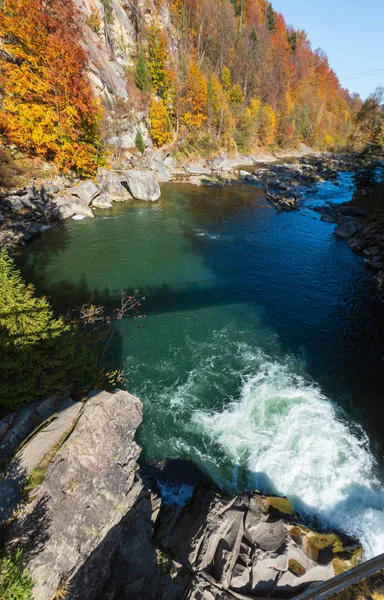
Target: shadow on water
[{"x": 314, "y": 293}]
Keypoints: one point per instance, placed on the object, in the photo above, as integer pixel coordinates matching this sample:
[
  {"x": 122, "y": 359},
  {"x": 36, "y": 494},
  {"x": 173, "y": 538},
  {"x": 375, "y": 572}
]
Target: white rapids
[{"x": 295, "y": 442}]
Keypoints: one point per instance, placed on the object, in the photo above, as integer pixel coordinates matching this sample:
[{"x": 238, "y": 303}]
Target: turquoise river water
[{"x": 260, "y": 356}]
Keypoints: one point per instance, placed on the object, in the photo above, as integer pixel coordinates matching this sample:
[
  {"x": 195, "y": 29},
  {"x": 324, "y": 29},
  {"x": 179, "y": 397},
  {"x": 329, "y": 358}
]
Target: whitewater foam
[{"x": 294, "y": 441}]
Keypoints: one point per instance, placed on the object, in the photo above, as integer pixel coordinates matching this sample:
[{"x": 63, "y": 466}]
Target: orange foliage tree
[
  {"x": 194, "y": 100},
  {"x": 47, "y": 106}
]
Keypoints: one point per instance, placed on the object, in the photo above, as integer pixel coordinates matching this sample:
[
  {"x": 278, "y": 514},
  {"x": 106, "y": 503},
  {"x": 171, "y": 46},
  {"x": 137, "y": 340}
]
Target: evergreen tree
[
  {"x": 40, "y": 354},
  {"x": 271, "y": 19},
  {"x": 292, "y": 39},
  {"x": 254, "y": 37},
  {"x": 141, "y": 74},
  {"x": 139, "y": 142}
]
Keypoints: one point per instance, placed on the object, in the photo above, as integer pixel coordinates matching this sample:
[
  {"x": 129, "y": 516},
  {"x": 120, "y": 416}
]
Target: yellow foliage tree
[
  {"x": 219, "y": 113},
  {"x": 160, "y": 123},
  {"x": 158, "y": 61},
  {"x": 194, "y": 101}
]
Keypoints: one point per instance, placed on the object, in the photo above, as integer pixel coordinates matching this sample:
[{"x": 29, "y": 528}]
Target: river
[{"x": 259, "y": 351}]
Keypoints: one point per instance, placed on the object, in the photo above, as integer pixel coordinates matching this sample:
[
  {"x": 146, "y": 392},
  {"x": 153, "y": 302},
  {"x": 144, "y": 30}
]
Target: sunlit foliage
[{"x": 47, "y": 107}]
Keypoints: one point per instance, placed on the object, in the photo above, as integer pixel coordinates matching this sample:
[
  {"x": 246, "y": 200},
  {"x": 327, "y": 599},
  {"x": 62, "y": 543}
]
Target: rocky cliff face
[
  {"x": 96, "y": 528},
  {"x": 111, "y": 32}
]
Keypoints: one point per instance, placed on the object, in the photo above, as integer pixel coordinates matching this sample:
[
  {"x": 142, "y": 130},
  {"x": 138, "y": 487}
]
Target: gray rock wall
[{"x": 89, "y": 486}]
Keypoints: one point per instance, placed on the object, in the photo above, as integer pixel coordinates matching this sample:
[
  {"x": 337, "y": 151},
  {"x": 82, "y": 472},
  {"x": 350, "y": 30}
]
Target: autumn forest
[{"x": 224, "y": 75}]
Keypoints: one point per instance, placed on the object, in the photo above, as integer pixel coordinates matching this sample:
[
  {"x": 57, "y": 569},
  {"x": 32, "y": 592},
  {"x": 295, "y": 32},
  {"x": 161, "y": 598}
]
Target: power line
[{"x": 363, "y": 74}]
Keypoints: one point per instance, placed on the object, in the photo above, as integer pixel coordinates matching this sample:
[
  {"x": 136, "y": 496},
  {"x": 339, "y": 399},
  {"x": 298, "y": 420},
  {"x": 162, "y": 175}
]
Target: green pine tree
[
  {"x": 141, "y": 74},
  {"x": 254, "y": 37},
  {"x": 139, "y": 142},
  {"x": 292, "y": 39},
  {"x": 271, "y": 19},
  {"x": 40, "y": 354}
]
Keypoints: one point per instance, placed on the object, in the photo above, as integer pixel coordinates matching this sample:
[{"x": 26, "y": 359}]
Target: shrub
[
  {"x": 93, "y": 20},
  {"x": 195, "y": 145},
  {"x": 15, "y": 583},
  {"x": 160, "y": 122}
]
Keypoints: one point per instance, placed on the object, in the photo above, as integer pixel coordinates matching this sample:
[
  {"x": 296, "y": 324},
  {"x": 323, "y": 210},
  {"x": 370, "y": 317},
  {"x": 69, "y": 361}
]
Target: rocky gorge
[{"x": 95, "y": 526}]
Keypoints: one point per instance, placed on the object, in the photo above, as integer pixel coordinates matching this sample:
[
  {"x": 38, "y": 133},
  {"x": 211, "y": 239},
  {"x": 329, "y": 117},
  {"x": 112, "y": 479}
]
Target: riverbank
[
  {"x": 29, "y": 211},
  {"x": 134, "y": 534}
]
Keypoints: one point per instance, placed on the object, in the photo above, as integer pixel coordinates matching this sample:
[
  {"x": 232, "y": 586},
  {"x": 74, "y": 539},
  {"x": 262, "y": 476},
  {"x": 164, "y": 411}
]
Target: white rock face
[{"x": 143, "y": 185}]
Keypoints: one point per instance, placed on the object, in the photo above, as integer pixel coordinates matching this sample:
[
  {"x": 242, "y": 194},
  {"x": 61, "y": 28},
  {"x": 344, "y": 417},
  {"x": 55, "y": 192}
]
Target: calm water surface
[{"x": 261, "y": 354}]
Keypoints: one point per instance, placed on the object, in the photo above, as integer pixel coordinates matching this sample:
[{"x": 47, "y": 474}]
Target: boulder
[
  {"x": 81, "y": 209},
  {"x": 102, "y": 202},
  {"x": 143, "y": 185},
  {"x": 358, "y": 244},
  {"x": 347, "y": 228},
  {"x": 23, "y": 422},
  {"x": 247, "y": 543},
  {"x": 111, "y": 187},
  {"x": 15, "y": 203},
  {"x": 71, "y": 524},
  {"x": 63, "y": 211},
  {"x": 86, "y": 191}
]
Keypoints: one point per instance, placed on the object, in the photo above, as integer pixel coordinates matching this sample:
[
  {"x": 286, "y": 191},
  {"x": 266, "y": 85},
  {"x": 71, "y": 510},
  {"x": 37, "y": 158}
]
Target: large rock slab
[
  {"x": 143, "y": 185},
  {"x": 31, "y": 454},
  {"x": 111, "y": 187},
  {"x": 88, "y": 488}
]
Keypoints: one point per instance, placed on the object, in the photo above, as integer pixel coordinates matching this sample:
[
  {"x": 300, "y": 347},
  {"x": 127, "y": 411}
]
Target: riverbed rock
[
  {"x": 102, "y": 202},
  {"x": 143, "y": 185},
  {"x": 347, "y": 228},
  {"x": 88, "y": 487},
  {"x": 81, "y": 209},
  {"x": 110, "y": 185},
  {"x": 86, "y": 191},
  {"x": 63, "y": 211},
  {"x": 358, "y": 244}
]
